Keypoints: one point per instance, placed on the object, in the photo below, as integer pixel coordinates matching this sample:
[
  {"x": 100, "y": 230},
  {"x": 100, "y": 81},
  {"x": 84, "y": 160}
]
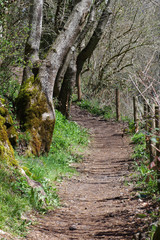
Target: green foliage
[
  {"x": 94, "y": 107},
  {"x": 146, "y": 180},
  {"x": 140, "y": 152},
  {"x": 67, "y": 134},
  {"x": 141, "y": 157},
  {"x": 17, "y": 197},
  {"x": 138, "y": 138},
  {"x": 131, "y": 126},
  {"x": 140, "y": 147}
]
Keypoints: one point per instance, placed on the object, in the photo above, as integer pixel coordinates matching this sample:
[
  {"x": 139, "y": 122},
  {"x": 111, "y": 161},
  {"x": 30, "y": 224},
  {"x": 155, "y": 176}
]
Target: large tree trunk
[
  {"x": 62, "y": 70},
  {"x": 35, "y": 103}
]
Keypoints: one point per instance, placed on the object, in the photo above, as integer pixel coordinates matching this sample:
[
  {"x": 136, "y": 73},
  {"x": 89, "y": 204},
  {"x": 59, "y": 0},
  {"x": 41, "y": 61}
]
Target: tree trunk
[
  {"x": 66, "y": 89},
  {"x": 35, "y": 100},
  {"x": 60, "y": 75}
]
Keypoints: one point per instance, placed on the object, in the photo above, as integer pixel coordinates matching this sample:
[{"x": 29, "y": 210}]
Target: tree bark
[
  {"x": 64, "y": 99},
  {"x": 60, "y": 75},
  {"x": 33, "y": 41},
  {"x": 35, "y": 101}
]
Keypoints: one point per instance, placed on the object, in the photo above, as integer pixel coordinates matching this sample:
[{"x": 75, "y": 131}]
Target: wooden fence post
[
  {"x": 153, "y": 125},
  {"x": 145, "y": 111},
  {"x": 79, "y": 88},
  {"x": 135, "y": 113},
  {"x": 157, "y": 125},
  {"x": 118, "y": 117},
  {"x": 149, "y": 130}
]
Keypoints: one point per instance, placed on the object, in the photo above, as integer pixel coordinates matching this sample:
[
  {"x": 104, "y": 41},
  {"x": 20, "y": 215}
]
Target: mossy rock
[
  {"x": 8, "y": 122},
  {"x": 6, "y": 150},
  {"x": 6, "y": 131},
  {"x": 4, "y": 113},
  {"x": 36, "y": 116}
]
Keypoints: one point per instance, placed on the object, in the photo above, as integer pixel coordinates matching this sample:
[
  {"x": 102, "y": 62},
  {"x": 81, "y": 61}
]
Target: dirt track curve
[{"x": 96, "y": 204}]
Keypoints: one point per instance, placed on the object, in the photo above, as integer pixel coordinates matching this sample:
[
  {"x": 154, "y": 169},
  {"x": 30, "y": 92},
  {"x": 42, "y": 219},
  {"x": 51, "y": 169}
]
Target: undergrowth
[
  {"x": 146, "y": 179},
  {"x": 145, "y": 182},
  {"x": 94, "y": 107},
  {"x": 17, "y": 197}
]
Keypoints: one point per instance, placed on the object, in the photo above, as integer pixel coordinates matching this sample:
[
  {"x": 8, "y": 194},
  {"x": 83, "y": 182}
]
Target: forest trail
[{"x": 95, "y": 204}]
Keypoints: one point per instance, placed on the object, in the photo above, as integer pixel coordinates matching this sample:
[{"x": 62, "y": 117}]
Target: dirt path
[{"x": 96, "y": 204}]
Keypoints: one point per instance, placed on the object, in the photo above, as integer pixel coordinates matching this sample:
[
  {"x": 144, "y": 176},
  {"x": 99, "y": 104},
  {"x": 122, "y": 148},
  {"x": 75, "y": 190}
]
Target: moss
[
  {"x": 31, "y": 105},
  {"x": 9, "y": 121},
  {"x": 6, "y": 124},
  {"x": 2, "y": 120},
  {"x": 6, "y": 119},
  {"x": 12, "y": 135},
  {"x": 2, "y": 100},
  {"x": 3, "y": 111},
  {"x": 6, "y": 150},
  {"x": 47, "y": 130}
]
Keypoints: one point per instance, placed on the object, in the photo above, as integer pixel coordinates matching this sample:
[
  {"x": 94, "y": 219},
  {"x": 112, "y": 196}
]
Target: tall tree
[
  {"x": 35, "y": 101},
  {"x": 96, "y": 28}
]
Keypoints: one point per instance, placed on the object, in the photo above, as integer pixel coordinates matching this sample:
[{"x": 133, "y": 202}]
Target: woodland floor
[{"x": 96, "y": 204}]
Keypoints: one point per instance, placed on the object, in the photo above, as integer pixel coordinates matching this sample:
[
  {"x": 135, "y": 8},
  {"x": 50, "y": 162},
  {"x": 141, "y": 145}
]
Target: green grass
[
  {"x": 94, "y": 107},
  {"x": 13, "y": 201},
  {"x": 16, "y": 197}
]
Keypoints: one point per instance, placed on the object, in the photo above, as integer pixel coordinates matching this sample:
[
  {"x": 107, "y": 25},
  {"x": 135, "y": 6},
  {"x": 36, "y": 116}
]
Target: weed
[
  {"x": 138, "y": 138},
  {"x": 146, "y": 180}
]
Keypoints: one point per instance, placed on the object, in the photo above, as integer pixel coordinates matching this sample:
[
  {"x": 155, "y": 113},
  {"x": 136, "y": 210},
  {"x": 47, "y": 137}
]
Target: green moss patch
[
  {"x": 6, "y": 129},
  {"x": 31, "y": 105}
]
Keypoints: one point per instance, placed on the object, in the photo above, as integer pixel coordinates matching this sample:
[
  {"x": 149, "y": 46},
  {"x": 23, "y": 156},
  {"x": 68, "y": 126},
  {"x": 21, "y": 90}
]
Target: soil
[{"x": 96, "y": 203}]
